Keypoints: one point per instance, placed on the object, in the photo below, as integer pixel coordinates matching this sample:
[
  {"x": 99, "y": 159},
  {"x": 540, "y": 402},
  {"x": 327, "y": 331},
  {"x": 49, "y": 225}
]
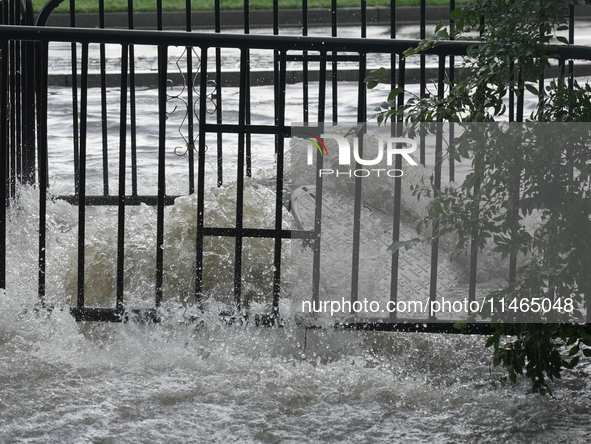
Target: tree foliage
[{"x": 545, "y": 176}]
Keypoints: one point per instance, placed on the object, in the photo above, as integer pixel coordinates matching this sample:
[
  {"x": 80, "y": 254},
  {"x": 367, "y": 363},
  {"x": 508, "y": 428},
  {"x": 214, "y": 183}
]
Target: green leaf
[
  {"x": 532, "y": 89},
  {"x": 394, "y": 93},
  {"x": 513, "y": 377},
  {"x": 380, "y": 75},
  {"x": 490, "y": 341},
  {"x": 574, "y": 350},
  {"x": 562, "y": 39},
  {"x": 456, "y": 14},
  {"x": 442, "y": 34}
]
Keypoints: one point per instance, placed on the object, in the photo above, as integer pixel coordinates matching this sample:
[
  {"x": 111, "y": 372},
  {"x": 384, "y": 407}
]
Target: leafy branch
[{"x": 531, "y": 170}]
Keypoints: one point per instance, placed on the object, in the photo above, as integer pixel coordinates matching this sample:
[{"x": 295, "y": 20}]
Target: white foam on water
[
  {"x": 180, "y": 222},
  {"x": 68, "y": 382}
]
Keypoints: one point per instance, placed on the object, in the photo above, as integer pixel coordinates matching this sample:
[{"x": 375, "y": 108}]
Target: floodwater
[
  {"x": 183, "y": 381},
  {"x": 177, "y": 382}
]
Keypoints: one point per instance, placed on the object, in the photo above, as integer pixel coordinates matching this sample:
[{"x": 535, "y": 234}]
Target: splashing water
[{"x": 180, "y": 381}]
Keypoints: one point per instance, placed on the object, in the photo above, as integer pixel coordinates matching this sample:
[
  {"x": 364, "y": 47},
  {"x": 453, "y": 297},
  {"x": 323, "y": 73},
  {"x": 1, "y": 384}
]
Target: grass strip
[{"x": 208, "y": 5}]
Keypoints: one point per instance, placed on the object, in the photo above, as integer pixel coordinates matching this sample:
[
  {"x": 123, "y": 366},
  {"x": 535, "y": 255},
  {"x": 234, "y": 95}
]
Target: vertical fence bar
[
  {"x": 280, "y": 146},
  {"x": 279, "y": 192},
  {"x": 541, "y": 101},
  {"x": 28, "y": 70},
  {"x": 82, "y": 174},
  {"x": 242, "y": 132},
  {"x": 520, "y": 98},
  {"x": 437, "y": 186},
  {"x": 132, "y": 105},
  {"x": 514, "y": 209},
  {"x": 158, "y": 15},
  {"x": 218, "y": 81},
  {"x": 133, "y": 121},
  {"x": 246, "y": 102},
  {"x": 393, "y": 37},
  {"x": 162, "y": 74},
  {"x": 276, "y": 84},
  {"x": 422, "y": 36},
  {"x": 28, "y": 112},
  {"x": 75, "y": 132},
  {"x": 3, "y": 157},
  {"x": 104, "y": 116},
  {"x": 474, "y": 244},
  {"x": 514, "y": 192},
  {"x": 482, "y": 22},
  {"x": 190, "y": 111},
  {"x": 12, "y": 156},
  {"x": 41, "y": 54},
  {"x": 201, "y": 177},
  {"x": 334, "y": 66},
  {"x": 305, "y": 81},
  {"x": 363, "y": 19},
  {"x": 452, "y": 77},
  {"x": 361, "y": 117},
  {"x": 512, "y": 93},
  {"x": 397, "y": 192},
  {"x": 422, "y": 72},
  {"x": 122, "y": 180},
  {"x": 513, "y": 213},
  {"x": 11, "y": 160},
  {"x": 398, "y": 164},
  {"x": 318, "y": 208},
  {"x": 571, "y": 40},
  {"x": 16, "y": 78}
]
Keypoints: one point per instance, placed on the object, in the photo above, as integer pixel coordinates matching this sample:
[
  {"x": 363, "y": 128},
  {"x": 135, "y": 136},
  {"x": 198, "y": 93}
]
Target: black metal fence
[
  {"x": 18, "y": 93},
  {"x": 322, "y": 63}
]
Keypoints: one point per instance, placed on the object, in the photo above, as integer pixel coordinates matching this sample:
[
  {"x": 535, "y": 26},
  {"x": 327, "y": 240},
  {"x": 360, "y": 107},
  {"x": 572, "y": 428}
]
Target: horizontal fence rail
[
  {"x": 279, "y": 42},
  {"x": 204, "y": 125}
]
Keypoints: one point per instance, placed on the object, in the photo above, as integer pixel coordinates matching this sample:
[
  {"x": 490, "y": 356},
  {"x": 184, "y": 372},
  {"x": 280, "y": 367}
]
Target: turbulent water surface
[{"x": 183, "y": 382}]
